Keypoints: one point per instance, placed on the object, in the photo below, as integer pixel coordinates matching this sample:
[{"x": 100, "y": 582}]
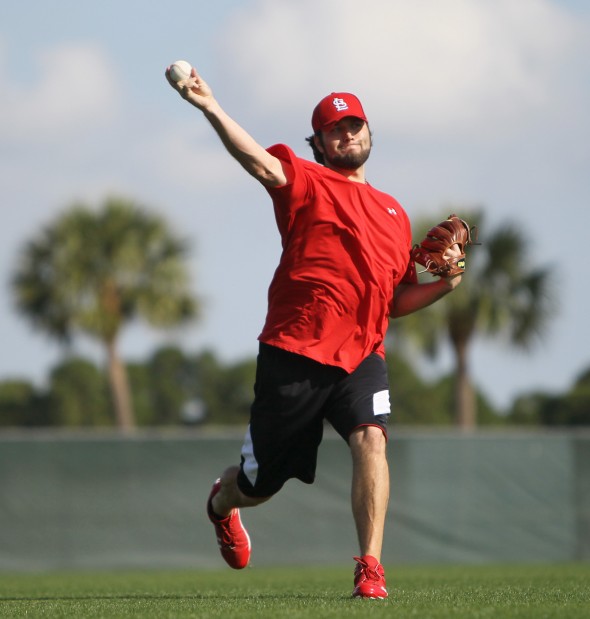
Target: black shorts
[{"x": 293, "y": 395}]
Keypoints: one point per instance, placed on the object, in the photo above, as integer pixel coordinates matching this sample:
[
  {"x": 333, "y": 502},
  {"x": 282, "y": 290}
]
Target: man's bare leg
[{"x": 370, "y": 487}]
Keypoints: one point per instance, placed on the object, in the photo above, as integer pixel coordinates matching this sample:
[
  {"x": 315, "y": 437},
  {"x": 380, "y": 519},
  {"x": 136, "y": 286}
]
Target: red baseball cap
[{"x": 333, "y": 108}]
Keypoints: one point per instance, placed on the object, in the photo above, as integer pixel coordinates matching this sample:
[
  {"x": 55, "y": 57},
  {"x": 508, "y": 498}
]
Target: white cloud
[
  {"x": 75, "y": 89},
  {"x": 422, "y": 67}
]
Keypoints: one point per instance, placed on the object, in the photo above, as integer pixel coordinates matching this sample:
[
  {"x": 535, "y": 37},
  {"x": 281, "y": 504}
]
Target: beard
[{"x": 349, "y": 161}]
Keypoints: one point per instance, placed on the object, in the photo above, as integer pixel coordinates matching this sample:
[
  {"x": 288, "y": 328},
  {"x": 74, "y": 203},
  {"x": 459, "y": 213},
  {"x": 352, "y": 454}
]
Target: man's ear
[{"x": 317, "y": 140}]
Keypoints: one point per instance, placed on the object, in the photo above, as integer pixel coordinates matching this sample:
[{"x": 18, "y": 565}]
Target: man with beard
[{"x": 345, "y": 269}]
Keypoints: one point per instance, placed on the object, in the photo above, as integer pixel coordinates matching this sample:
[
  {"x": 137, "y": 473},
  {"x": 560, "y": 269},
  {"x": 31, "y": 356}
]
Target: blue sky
[{"x": 471, "y": 103}]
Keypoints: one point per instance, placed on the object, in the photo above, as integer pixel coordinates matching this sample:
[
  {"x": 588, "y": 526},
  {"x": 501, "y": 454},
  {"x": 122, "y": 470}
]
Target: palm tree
[
  {"x": 500, "y": 295},
  {"x": 93, "y": 271}
]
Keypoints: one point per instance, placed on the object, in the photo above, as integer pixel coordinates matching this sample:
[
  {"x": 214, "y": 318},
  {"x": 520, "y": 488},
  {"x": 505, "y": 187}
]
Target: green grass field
[{"x": 460, "y": 592}]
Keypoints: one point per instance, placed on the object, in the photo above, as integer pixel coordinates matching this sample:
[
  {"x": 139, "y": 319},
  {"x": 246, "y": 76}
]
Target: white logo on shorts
[{"x": 381, "y": 405}]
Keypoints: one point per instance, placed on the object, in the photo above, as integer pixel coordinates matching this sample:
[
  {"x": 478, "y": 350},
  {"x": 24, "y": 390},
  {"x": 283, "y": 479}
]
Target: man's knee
[{"x": 365, "y": 439}]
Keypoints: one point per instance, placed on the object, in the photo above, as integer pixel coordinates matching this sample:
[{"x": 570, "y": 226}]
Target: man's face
[{"x": 346, "y": 145}]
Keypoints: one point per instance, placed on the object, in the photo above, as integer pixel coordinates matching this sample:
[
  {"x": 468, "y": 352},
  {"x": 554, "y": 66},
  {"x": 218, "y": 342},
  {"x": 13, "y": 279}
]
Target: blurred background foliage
[
  {"x": 124, "y": 249},
  {"x": 173, "y": 388}
]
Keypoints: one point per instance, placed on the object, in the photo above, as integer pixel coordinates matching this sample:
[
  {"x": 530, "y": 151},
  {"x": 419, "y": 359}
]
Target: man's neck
[{"x": 356, "y": 176}]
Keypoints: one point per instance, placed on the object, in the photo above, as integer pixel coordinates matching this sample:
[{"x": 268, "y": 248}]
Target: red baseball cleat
[
  {"x": 369, "y": 578},
  {"x": 232, "y": 537}
]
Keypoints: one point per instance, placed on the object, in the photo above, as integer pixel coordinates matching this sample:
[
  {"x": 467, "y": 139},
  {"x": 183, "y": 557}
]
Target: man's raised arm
[{"x": 239, "y": 143}]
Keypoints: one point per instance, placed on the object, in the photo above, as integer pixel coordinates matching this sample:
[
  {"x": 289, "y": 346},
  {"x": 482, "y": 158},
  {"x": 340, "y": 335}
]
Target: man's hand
[
  {"x": 194, "y": 89},
  {"x": 442, "y": 251},
  {"x": 452, "y": 253}
]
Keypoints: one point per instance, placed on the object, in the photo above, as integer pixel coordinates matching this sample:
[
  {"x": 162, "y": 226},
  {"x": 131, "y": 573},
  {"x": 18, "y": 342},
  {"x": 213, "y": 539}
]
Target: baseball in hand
[{"x": 180, "y": 70}]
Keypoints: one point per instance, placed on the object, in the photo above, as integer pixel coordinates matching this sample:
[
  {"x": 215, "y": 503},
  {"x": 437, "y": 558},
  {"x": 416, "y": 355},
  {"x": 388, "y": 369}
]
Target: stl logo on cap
[
  {"x": 340, "y": 104},
  {"x": 334, "y": 107}
]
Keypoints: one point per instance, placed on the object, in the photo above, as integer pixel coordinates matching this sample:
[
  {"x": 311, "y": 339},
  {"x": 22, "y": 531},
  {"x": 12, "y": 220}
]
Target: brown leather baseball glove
[{"x": 431, "y": 252}]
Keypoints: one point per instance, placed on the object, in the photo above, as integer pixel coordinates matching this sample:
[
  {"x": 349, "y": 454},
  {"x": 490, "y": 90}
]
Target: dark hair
[{"x": 317, "y": 154}]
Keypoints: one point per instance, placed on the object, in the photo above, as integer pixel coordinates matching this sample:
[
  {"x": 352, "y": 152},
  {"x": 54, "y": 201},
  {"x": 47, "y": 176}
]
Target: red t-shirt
[{"x": 346, "y": 246}]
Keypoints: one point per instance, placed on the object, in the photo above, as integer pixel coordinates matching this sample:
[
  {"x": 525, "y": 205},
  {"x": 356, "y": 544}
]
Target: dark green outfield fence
[{"x": 92, "y": 502}]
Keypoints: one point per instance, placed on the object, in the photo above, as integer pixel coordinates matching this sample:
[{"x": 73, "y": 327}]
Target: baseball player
[{"x": 345, "y": 270}]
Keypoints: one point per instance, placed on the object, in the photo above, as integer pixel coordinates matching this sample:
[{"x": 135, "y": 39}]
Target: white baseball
[{"x": 180, "y": 70}]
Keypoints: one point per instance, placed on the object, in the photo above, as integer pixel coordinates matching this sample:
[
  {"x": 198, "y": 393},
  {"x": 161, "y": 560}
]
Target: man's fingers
[{"x": 453, "y": 251}]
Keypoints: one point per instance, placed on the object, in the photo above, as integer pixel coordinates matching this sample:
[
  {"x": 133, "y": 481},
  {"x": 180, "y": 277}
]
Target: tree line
[
  {"x": 173, "y": 388},
  {"x": 170, "y": 388},
  {"x": 93, "y": 271}
]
